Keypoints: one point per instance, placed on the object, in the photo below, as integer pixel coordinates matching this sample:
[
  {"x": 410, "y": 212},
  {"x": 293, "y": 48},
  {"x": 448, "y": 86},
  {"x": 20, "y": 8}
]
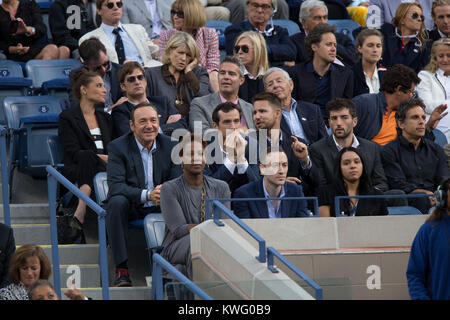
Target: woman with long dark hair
[{"x": 351, "y": 180}]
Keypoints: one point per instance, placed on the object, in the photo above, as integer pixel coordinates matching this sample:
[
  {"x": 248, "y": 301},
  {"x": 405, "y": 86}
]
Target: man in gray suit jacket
[
  {"x": 140, "y": 12},
  {"x": 231, "y": 77}
]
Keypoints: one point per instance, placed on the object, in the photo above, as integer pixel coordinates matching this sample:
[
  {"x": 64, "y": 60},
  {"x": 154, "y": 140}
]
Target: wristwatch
[
  {"x": 148, "y": 195},
  {"x": 33, "y": 31}
]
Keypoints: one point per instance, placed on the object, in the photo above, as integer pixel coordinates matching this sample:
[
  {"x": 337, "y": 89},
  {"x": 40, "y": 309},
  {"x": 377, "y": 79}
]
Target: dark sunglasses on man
[
  {"x": 244, "y": 48},
  {"x": 110, "y": 5},
  {"x": 132, "y": 79},
  {"x": 415, "y": 16},
  {"x": 104, "y": 65},
  {"x": 180, "y": 13}
]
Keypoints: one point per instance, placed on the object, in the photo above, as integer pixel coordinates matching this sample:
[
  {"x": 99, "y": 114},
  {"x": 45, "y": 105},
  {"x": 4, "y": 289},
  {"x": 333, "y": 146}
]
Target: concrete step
[
  {"x": 34, "y": 213},
  {"x": 89, "y": 275},
  {"x": 31, "y": 233},
  {"x": 79, "y": 254},
  {"x": 132, "y": 293}
]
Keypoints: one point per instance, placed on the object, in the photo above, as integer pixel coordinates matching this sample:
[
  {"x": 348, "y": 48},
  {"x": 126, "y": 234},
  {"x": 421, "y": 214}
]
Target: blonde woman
[
  {"x": 406, "y": 38},
  {"x": 180, "y": 78},
  {"x": 189, "y": 16},
  {"x": 250, "y": 48}
]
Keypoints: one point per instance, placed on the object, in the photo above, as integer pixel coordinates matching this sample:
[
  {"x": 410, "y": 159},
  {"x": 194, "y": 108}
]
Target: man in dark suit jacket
[
  {"x": 94, "y": 58},
  {"x": 440, "y": 12},
  {"x": 272, "y": 185},
  {"x": 134, "y": 84},
  {"x": 7, "y": 248},
  {"x": 301, "y": 119},
  {"x": 320, "y": 80},
  {"x": 313, "y": 13},
  {"x": 139, "y": 162}
]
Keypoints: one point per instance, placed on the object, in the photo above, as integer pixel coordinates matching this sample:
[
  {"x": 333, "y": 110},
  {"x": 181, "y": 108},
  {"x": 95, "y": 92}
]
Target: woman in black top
[
  {"x": 85, "y": 133},
  {"x": 351, "y": 179}
]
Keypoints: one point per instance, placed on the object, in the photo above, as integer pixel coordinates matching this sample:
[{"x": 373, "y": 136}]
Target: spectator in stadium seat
[
  {"x": 300, "y": 118},
  {"x": 85, "y": 133},
  {"x": 239, "y": 9},
  {"x": 440, "y": 11},
  {"x": 368, "y": 72},
  {"x": 183, "y": 202},
  {"x": 273, "y": 184},
  {"x": 376, "y": 111},
  {"x": 231, "y": 77},
  {"x": 67, "y": 27},
  {"x": 251, "y": 49},
  {"x": 139, "y": 162},
  {"x": 406, "y": 38},
  {"x": 44, "y": 290},
  {"x": 134, "y": 85},
  {"x": 180, "y": 78},
  {"x": 319, "y": 79},
  {"x": 28, "y": 264},
  {"x": 123, "y": 42},
  {"x": 7, "y": 247},
  {"x": 214, "y": 11},
  {"x": 154, "y": 16},
  {"x": 351, "y": 179},
  {"x": 23, "y": 42},
  {"x": 312, "y": 13},
  {"x": 189, "y": 16},
  {"x": 427, "y": 271},
  {"x": 280, "y": 48},
  {"x": 94, "y": 59},
  {"x": 411, "y": 162}
]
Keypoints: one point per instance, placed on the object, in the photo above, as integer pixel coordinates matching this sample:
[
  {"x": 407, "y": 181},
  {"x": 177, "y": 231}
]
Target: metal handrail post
[{"x": 5, "y": 177}]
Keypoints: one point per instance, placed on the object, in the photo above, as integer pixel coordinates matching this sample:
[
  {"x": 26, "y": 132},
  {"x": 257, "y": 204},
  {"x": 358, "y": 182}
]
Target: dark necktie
[{"x": 119, "y": 46}]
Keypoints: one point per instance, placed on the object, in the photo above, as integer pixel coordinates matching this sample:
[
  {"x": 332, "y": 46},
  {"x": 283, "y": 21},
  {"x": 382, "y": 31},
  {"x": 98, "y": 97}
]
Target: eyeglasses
[
  {"x": 110, "y": 5},
  {"x": 265, "y": 7},
  {"x": 415, "y": 16},
  {"x": 133, "y": 78},
  {"x": 105, "y": 66},
  {"x": 180, "y": 14},
  {"x": 245, "y": 49}
]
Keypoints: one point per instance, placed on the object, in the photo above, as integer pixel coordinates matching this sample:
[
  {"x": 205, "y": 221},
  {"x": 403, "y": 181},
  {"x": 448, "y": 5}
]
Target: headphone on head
[{"x": 441, "y": 195}]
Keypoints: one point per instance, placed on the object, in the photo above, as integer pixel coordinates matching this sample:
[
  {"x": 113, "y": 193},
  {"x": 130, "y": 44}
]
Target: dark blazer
[
  {"x": 258, "y": 209},
  {"x": 346, "y": 50},
  {"x": 324, "y": 153},
  {"x": 250, "y": 87},
  {"x": 311, "y": 120},
  {"x": 279, "y": 47},
  {"x": 360, "y": 84},
  {"x": 76, "y": 138},
  {"x": 411, "y": 56},
  {"x": 434, "y": 35},
  {"x": 341, "y": 82},
  {"x": 7, "y": 248},
  {"x": 125, "y": 171},
  {"x": 116, "y": 91},
  {"x": 122, "y": 113}
]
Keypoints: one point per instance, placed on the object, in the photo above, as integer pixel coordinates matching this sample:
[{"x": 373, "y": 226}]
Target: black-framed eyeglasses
[
  {"x": 104, "y": 65},
  {"x": 132, "y": 79},
  {"x": 265, "y": 7},
  {"x": 245, "y": 49},
  {"x": 110, "y": 5},
  {"x": 415, "y": 16},
  {"x": 180, "y": 13}
]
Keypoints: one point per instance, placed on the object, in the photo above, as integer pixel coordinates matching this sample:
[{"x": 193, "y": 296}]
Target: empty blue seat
[
  {"x": 291, "y": 26},
  {"x": 403, "y": 210},
  {"x": 55, "y": 151},
  {"x": 220, "y": 26},
  {"x": 154, "y": 229},
  {"x": 439, "y": 137},
  {"x": 345, "y": 26}
]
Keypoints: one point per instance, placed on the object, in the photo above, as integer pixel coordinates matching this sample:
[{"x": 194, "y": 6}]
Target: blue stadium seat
[
  {"x": 51, "y": 76},
  {"x": 220, "y": 26},
  {"x": 30, "y": 120},
  {"x": 403, "y": 210},
  {"x": 154, "y": 228},
  {"x": 55, "y": 151},
  {"x": 439, "y": 137},
  {"x": 345, "y": 26},
  {"x": 101, "y": 193},
  {"x": 291, "y": 26},
  {"x": 12, "y": 83}
]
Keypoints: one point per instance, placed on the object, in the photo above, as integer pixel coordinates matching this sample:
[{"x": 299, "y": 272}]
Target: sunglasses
[
  {"x": 244, "y": 48},
  {"x": 180, "y": 14},
  {"x": 133, "y": 78},
  {"x": 415, "y": 16},
  {"x": 105, "y": 65},
  {"x": 110, "y": 5}
]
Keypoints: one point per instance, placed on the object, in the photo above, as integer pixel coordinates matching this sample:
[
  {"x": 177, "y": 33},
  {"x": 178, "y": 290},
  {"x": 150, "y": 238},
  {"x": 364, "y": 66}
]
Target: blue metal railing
[
  {"x": 264, "y": 252},
  {"x": 5, "y": 176},
  {"x": 160, "y": 263},
  {"x": 337, "y": 204},
  {"x": 271, "y": 252},
  {"x": 53, "y": 177}
]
